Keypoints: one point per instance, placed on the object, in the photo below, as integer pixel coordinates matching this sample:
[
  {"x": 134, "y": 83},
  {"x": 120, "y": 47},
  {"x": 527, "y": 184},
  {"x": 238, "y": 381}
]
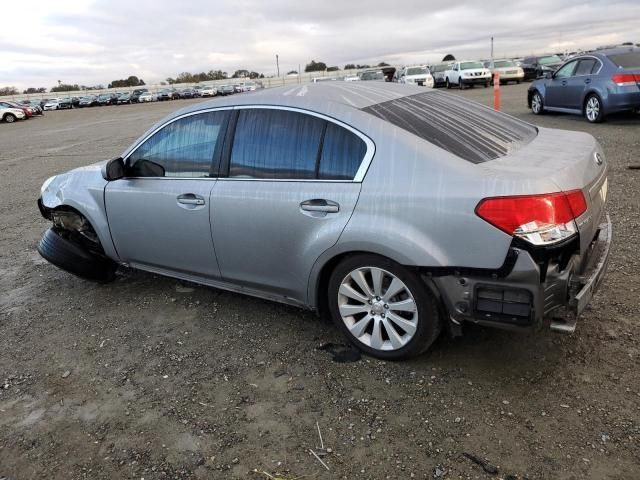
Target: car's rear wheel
[
  {"x": 537, "y": 105},
  {"x": 72, "y": 257},
  {"x": 593, "y": 109},
  {"x": 383, "y": 308},
  {"x": 10, "y": 118}
]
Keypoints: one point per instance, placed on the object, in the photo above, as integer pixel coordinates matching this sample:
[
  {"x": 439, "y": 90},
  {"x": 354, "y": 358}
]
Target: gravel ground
[{"x": 152, "y": 378}]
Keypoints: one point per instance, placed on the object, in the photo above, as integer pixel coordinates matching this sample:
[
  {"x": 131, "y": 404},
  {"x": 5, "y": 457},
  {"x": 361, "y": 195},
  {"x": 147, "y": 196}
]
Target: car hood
[{"x": 420, "y": 76}]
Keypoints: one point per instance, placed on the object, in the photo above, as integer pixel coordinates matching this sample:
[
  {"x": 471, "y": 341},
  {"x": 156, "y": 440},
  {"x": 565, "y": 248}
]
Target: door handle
[
  {"x": 564, "y": 82},
  {"x": 190, "y": 199},
  {"x": 587, "y": 80},
  {"x": 320, "y": 205}
]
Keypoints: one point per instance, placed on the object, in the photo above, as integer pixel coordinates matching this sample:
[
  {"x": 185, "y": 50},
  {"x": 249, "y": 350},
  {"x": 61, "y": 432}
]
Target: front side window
[
  {"x": 276, "y": 144},
  {"x": 184, "y": 148},
  {"x": 566, "y": 70}
]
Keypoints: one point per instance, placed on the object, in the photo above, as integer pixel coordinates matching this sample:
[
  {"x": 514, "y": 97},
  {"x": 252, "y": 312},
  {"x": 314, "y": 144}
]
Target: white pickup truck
[{"x": 467, "y": 73}]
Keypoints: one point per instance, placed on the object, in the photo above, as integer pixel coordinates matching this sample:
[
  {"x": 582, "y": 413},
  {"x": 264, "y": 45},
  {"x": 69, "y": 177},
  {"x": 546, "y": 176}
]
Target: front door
[
  {"x": 159, "y": 215},
  {"x": 557, "y": 87},
  {"x": 291, "y": 187}
]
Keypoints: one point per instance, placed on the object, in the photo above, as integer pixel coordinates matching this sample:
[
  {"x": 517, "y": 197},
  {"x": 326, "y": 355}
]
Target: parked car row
[
  {"x": 30, "y": 107},
  {"x": 11, "y": 111}
]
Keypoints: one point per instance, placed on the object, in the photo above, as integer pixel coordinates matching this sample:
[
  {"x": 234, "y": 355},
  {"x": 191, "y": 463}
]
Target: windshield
[
  {"x": 626, "y": 60},
  {"x": 416, "y": 71},
  {"x": 504, "y": 63},
  {"x": 470, "y": 65},
  {"x": 549, "y": 60}
]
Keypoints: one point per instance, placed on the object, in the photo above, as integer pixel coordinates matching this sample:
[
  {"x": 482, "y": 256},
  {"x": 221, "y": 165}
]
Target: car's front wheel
[
  {"x": 447, "y": 84},
  {"x": 383, "y": 308},
  {"x": 593, "y": 109},
  {"x": 537, "y": 105},
  {"x": 72, "y": 257},
  {"x": 9, "y": 118}
]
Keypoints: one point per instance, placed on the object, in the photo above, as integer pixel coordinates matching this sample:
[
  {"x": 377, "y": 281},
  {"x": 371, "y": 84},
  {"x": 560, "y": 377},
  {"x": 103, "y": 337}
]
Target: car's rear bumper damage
[{"x": 535, "y": 290}]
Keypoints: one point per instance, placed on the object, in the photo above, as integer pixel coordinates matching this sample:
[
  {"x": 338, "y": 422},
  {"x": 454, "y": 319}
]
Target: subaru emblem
[{"x": 598, "y": 158}]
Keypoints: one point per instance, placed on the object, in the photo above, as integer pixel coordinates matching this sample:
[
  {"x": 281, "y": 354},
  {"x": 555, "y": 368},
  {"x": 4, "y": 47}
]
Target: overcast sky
[{"x": 95, "y": 41}]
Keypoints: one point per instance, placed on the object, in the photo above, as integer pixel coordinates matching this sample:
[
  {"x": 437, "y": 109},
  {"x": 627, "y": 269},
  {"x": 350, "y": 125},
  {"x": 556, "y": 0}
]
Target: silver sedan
[{"x": 397, "y": 211}]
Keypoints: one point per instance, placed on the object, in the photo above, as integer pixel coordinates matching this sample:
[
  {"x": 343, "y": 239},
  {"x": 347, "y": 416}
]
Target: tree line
[{"x": 184, "y": 77}]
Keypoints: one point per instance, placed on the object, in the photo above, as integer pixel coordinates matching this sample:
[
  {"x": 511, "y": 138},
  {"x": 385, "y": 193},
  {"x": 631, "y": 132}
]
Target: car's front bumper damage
[{"x": 534, "y": 292}]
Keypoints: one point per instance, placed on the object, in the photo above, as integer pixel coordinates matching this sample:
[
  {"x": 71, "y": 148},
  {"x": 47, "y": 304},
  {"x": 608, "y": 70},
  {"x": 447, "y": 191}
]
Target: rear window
[
  {"x": 469, "y": 130},
  {"x": 626, "y": 60}
]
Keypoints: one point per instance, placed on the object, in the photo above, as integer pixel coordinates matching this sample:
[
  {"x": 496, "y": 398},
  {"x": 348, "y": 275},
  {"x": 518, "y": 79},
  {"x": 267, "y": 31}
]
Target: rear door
[
  {"x": 292, "y": 182},
  {"x": 557, "y": 88},
  {"x": 159, "y": 213},
  {"x": 580, "y": 81}
]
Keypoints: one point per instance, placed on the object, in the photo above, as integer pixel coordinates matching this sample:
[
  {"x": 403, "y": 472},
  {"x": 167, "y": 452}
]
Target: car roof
[
  {"x": 321, "y": 97},
  {"x": 613, "y": 51}
]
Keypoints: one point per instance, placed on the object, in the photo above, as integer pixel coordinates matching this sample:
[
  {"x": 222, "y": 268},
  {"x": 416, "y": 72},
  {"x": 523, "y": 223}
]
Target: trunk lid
[{"x": 571, "y": 161}]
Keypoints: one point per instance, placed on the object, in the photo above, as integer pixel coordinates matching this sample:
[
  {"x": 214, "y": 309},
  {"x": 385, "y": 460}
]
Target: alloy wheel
[
  {"x": 378, "y": 308},
  {"x": 593, "y": 109},
  {"x": 536, "y": 103}
]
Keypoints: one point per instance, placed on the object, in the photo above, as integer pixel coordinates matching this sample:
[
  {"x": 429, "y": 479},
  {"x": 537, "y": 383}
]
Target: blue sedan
[{"x": 594, "y": 85}]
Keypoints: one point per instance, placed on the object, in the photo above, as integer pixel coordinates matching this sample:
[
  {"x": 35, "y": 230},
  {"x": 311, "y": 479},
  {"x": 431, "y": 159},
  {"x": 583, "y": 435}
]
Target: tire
[
  {"x": 460, "y": 84},
  {"x": 10, "y": 118},
  {"x": 537, "y": 104},
  {"x": 517, "y": 82},
  {"x": 75, "y": 259},
  {"x": 486, "y": 85},
  {"x": 447, "y": 84},
  {"x": 422, "y": 323},
  {"x": 592, "y": 110}
]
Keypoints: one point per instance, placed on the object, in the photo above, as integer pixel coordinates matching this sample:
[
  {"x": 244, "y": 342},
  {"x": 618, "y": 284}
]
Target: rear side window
[
  {"x": 286, "y": 145},
  {"x": 342, "y": 153},
  {"x": 585, "y": 66},
  {"x": 626, "y": 59},
  {"x": 467, "y": 129},
  {"x": 277, "y": 144},
  {"x": 183, "y": 148}
]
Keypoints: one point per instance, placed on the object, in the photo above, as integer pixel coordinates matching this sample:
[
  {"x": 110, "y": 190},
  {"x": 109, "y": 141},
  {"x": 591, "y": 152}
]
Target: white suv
[
  {"x": 467, "y": 73},
  {"x": 416, "y": 75}
]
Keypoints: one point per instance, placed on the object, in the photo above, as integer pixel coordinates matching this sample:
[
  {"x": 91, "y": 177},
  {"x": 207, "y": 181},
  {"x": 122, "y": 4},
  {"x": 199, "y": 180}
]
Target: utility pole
[
  {"x": 277, "y": 65},
  {"x": 491, "y": 49}
]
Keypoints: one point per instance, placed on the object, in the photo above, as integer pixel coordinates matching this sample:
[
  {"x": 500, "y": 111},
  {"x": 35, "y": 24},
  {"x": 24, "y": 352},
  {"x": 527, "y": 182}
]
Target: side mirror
[
  {"x": 113, "y": 169},
  {"x": 548, "y": 75}
]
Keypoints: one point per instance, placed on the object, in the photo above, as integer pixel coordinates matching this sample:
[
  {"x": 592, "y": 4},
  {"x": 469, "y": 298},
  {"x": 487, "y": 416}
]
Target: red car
[{"x": 28, "y": 111}]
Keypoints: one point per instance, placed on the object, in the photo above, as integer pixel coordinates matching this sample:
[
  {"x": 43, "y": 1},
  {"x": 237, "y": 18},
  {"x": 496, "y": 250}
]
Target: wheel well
[
  {"x": 323, "y": 280},
  {"x": 589, "y": 94},
  {"x": 325, "y": 273},
  {"x": 78, "y": 227}
]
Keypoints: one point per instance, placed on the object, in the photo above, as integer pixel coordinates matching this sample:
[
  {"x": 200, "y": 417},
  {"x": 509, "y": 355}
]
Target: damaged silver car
[{"x": 400, "y": 212}]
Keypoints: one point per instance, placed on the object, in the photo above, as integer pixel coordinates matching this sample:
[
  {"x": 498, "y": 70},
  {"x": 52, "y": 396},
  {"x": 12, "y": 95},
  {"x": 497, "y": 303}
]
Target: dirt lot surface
[{"x": 153, "y": 378}]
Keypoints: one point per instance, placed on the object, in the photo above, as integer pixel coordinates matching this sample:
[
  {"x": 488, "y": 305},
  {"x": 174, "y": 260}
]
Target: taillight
[
  {"x": 539, "y": 219},
  {"x": 626, "y": 79}
]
